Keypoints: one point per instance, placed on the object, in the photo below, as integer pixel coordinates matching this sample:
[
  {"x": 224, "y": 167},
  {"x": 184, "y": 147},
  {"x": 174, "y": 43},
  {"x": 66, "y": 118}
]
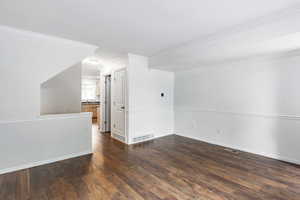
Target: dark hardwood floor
[{"x": 171, "y": 167}]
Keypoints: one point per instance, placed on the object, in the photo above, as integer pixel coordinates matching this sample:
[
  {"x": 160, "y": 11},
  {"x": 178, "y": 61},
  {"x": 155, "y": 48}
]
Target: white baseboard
[
  {"x": 268, "y": 155},
  {"x": 43, "y": 162}
]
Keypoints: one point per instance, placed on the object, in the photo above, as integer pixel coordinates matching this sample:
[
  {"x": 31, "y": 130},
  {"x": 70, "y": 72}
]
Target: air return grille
[{"x": 143, "y": 138}]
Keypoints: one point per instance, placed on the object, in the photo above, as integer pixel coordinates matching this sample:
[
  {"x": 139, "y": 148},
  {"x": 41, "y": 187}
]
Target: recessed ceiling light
[{"x": 92, "y": 61}]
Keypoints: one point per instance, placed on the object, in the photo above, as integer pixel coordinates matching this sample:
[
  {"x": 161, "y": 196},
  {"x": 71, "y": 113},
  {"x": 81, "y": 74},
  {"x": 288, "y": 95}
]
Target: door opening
[{"x": 107, "y": 102}]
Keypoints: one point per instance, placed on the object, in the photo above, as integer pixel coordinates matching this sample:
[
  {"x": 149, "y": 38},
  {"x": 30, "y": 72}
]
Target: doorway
[
  {"x": 113, "y": 109},
  {"x": 90, "y": 90},
  {"x": 107, "y": 104}
]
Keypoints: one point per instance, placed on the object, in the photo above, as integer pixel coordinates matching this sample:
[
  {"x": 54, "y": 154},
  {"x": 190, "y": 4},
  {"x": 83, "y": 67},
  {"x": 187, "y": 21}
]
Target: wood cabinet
[
  {"x": 91, "y": 107},
  {"x": 98, "y": 116}
]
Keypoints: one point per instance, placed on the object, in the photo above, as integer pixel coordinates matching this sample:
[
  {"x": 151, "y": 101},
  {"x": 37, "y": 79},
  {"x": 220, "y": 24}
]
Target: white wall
[
  {"x": 24, "y": 145},
  {"x": 148, "y": 112},
  {"x": 251, "y": 105},
  {"x": 27, "y": 60},
  {"x": 62, "y": 93}
]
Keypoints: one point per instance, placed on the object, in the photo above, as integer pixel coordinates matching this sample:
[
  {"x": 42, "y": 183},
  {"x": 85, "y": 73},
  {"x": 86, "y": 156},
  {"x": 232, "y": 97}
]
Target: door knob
[{"x": 122, "y": 107}]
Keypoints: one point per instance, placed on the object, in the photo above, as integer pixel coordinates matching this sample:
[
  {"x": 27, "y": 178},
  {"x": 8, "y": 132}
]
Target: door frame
[
  {"x": 103, "y": 97},
  {"x": 125, "y": 103}
]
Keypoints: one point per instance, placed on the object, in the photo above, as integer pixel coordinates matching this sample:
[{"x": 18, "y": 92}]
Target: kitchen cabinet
[{"x": 91, "y": 107}]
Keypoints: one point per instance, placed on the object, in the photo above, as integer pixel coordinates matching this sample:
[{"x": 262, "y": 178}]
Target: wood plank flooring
[{"x": 168, "y": 168}]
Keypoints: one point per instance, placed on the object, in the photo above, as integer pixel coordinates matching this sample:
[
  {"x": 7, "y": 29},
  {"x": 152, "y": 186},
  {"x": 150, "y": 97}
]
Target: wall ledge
[
  {"x": 263, "y": 115},
  {"x": 51, "y": 117}
]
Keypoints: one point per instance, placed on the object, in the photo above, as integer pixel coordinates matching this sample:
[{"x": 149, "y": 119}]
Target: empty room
[{"x": 150, "y": 100}]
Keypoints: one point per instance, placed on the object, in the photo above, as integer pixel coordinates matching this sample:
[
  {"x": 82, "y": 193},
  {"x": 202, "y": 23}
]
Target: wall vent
[
  {"x": 143, "y": 138},
  {"x": 119, "y": 137}
]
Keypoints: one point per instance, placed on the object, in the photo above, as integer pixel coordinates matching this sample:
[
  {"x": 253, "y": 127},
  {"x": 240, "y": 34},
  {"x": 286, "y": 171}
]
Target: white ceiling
[
  {"x": 277, "y": 33},
  {"x": 90, "y": 70},
  {"x": 137, "y": 26},
  {"x": 173, "y": 33},
  {"x": 103, "y": 60},
  {"x": 111, "y": 58}
]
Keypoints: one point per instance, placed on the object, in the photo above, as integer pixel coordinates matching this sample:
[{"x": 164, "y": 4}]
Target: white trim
[
  {"x": 43, "y": 162},
  {"x": 264, "y": 115},
  {"x": 272, "y": 156},
  {"x": 71, "y": 115},
  {"x": 51, "y": 117}
]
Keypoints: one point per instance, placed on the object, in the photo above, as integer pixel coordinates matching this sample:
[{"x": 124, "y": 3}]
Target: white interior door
[{"x": 118, "y": 104}]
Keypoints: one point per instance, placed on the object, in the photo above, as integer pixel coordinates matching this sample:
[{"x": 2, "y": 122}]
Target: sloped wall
[
  {"x": 62, "y": 93},
  {"x": 27, "y": 60}
]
